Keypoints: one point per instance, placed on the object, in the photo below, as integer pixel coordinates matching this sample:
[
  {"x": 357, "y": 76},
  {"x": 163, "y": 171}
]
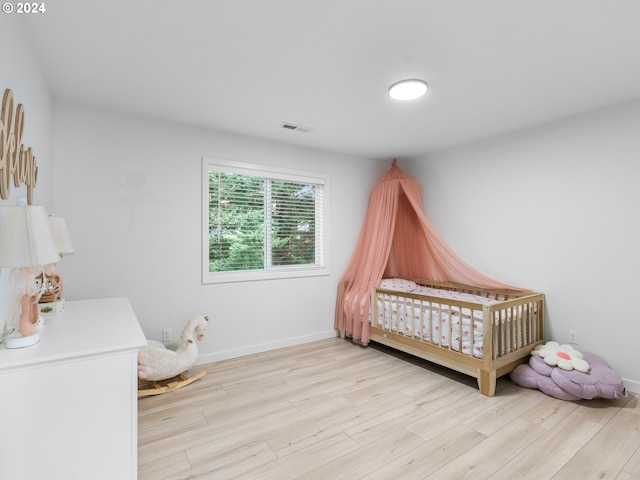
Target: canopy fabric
[{"x": 396, "y": 240}]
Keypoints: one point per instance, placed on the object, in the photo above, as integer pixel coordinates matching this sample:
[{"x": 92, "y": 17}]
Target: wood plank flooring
[{"x": 334, "y": 410}]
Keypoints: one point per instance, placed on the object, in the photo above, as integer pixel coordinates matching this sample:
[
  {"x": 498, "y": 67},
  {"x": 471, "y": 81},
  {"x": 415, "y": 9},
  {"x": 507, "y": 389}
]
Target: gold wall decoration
[{"x": 15, "y": 160}]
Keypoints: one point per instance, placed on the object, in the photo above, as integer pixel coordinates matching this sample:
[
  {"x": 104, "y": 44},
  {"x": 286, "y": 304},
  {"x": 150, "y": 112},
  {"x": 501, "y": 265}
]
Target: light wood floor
[{"x": 333, "y": 410}]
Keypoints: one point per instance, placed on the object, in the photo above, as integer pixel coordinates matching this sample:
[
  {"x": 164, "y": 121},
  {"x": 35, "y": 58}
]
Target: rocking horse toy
[{"x": 157, "y": 363}]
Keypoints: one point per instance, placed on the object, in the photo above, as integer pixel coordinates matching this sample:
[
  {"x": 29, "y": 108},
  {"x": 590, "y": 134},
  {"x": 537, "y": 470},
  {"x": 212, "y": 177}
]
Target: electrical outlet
[
  {"x": 166, "y": 334},
  {"x": 573, "y": 337}
]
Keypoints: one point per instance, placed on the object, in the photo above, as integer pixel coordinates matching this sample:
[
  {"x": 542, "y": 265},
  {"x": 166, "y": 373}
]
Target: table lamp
[{"x": 26, "y": 243}]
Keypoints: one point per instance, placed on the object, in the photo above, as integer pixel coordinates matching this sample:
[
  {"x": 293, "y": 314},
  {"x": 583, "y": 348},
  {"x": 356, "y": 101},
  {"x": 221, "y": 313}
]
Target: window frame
[{"x": 276, "y": 173}]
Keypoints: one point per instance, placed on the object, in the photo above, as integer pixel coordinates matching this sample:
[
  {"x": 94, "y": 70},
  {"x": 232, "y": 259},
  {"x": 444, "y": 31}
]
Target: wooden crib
[{"x": 496, "y": 329}]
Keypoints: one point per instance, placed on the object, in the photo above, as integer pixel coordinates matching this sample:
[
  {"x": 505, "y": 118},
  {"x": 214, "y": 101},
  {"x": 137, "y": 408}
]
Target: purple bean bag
[
  {"x": 525, "y": 376},
  {"x": 600, "y": 382}
]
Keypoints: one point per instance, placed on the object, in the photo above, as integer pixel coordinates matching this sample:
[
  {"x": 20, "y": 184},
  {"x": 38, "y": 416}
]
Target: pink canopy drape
[{"x": 396, "y": 240}]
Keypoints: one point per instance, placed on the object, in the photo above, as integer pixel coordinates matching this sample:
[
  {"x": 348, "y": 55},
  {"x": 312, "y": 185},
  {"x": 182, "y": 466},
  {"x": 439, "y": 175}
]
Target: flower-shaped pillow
[{"x": 562, "y": 356}]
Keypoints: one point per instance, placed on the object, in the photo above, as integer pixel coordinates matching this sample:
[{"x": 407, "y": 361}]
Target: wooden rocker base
[{"x": 147, "y": 388}]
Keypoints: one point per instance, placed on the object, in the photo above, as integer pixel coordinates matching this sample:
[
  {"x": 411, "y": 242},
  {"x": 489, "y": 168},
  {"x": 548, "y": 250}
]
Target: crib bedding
[
  {"x": 437, "y": 321},
  {"x": 413, "y": 317}
]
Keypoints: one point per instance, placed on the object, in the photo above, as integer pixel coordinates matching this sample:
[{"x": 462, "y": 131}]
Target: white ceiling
[{"x": 247, "y": 66}]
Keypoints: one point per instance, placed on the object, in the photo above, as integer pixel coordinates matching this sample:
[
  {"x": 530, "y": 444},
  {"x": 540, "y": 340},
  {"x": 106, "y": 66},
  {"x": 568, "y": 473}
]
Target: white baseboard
[
  {"x": 632, "y": 386},
  {"x": 264, "y": 347}
]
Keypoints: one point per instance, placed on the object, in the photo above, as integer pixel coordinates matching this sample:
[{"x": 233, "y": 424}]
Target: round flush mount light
[{"x": 408, "y": 89}]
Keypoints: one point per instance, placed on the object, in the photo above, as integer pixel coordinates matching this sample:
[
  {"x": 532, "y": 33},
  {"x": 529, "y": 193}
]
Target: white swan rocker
[{"x": 156, "y": 363}]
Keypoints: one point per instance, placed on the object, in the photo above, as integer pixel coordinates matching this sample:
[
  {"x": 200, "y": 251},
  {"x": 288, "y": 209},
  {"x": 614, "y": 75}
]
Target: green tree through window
[
  {"x": 236, "y": 222},
  {"x": 263, "y": 223}
]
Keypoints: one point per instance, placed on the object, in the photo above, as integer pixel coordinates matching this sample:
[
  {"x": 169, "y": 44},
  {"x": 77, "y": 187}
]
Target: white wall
[
  {"x": 19, "y": 72},
  {"x": 554, "y": 209},
  {"x": 129, "y": 189}
]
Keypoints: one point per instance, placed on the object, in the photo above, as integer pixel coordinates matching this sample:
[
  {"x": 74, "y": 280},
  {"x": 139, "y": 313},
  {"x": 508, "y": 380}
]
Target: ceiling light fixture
[{"x": 408, "y": 89}]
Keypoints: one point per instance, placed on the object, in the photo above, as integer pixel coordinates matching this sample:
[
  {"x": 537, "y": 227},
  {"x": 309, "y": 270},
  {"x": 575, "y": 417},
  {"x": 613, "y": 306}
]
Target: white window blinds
[{"x": 261, "y": 220}]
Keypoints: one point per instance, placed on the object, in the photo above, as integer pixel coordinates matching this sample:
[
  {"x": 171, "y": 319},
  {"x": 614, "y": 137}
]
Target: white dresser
[{"x": 68, "y": 405}]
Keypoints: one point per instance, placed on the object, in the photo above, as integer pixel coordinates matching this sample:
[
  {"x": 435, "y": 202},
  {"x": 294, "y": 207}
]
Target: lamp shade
[
  {"x": 26, "y": 239},
  {"x": 61, "y": 235}
]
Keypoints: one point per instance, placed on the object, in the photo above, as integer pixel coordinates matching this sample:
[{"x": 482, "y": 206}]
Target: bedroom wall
[
  {"x": 129, "y": 189},
  {"x": 554, "y": 209},
  {"x": 19, "y": 72}
]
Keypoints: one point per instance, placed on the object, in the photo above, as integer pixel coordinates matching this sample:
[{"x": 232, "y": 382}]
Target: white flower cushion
[{"x": 563, "y": 356}]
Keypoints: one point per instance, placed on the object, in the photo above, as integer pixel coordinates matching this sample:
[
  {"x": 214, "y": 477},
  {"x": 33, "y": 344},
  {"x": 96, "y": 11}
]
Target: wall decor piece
[{"x": 15, "y": 160}]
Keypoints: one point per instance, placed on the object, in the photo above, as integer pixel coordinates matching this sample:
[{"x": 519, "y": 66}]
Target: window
[{"x": 261, "y": 222}]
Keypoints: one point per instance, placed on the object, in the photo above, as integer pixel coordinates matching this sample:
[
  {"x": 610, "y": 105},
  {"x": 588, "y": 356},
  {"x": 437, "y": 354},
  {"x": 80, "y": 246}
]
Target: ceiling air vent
[{"x": 297, "y": 128}]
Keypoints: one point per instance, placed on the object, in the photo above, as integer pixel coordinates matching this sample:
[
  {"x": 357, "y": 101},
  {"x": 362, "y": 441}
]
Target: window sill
[{"x": 253, "y": 276}]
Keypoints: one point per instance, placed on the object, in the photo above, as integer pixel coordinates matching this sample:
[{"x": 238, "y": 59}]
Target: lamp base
[
  {"x": 16, "y": 340},
  {"x": 51, "y": 309}
]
